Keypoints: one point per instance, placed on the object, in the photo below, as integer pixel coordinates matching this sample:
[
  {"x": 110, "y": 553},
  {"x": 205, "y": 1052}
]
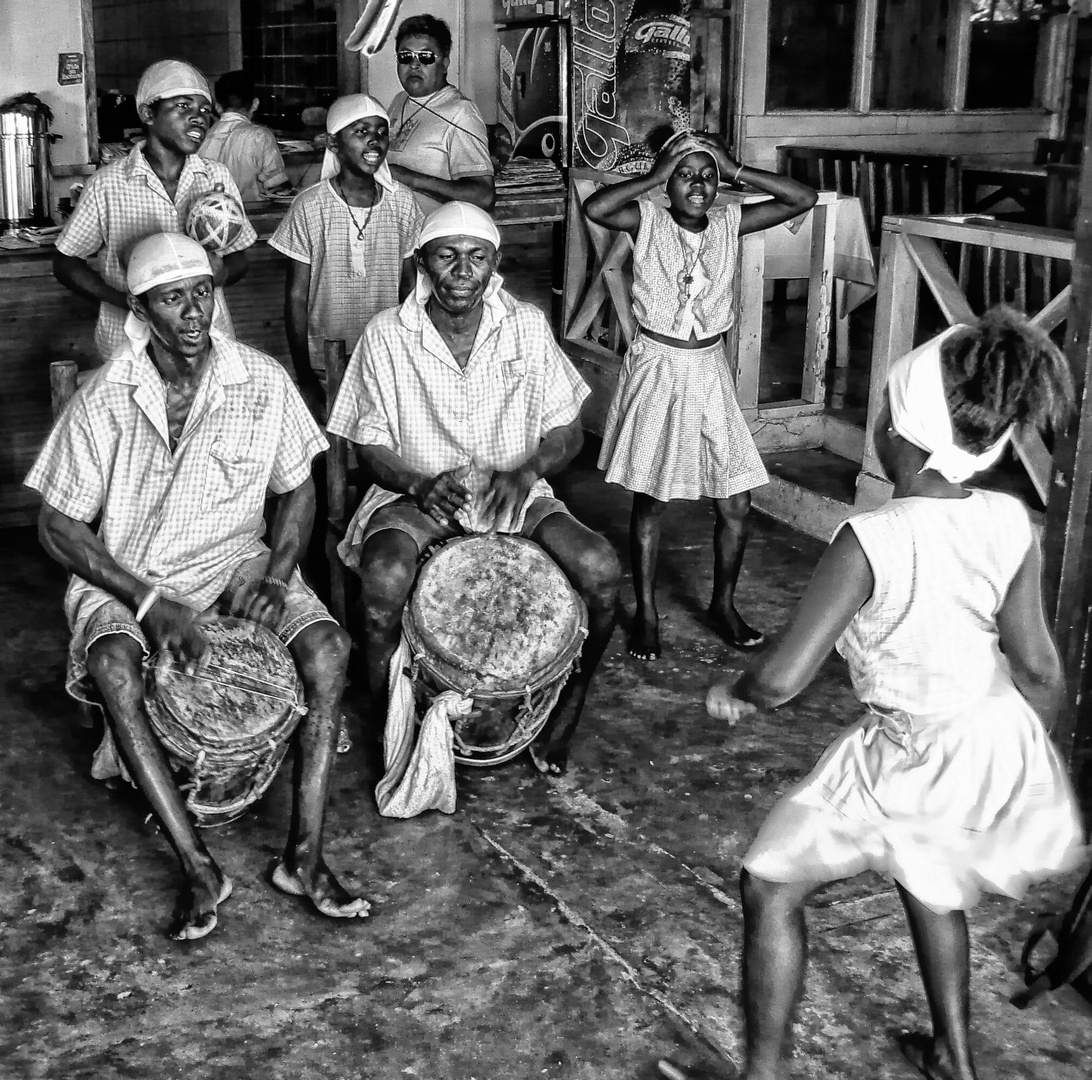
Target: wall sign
[{"x": 69, "y": 68}]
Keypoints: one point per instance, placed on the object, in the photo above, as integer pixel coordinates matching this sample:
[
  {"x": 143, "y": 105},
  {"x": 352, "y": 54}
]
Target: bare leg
[
  {"x": 774, "y": 959},
  {"x": 388, "y": 566},
  {"x": 590, "y": 564},
  {"x": 115, "y": 663},
  {"x": 943, "y": 949},
  {"x": 321, "y": 652},
  {"x": 644, "y": 553},
  {"x": 730, "y": 535}
]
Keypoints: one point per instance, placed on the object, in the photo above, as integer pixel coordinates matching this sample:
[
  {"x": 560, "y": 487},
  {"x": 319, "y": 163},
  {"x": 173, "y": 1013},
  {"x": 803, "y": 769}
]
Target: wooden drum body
[
  {"x": 495, "y": 619},
  {"x": 226, "y": 726}
]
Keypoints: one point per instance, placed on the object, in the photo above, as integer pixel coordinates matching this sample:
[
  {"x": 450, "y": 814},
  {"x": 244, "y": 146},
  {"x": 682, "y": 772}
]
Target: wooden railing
[{"x": 965, "y": 267}]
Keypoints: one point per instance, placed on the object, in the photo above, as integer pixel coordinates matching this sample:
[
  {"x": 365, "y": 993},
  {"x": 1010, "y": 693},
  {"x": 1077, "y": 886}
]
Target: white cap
[
  {"x": 170, "y": 78},
  {"x": 459, "y": 219},
  {"x": 341, "y": 114},
  {"x": 163, "y": 258}
]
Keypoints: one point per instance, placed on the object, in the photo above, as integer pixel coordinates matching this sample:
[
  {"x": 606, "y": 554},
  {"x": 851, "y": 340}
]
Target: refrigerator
[{"x": 593, "y": 84}]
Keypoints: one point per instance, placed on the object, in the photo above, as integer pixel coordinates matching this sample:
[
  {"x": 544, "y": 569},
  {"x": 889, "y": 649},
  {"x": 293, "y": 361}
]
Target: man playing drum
[
  {"x": 174, "y": 443},
  {"x": 463, "y": 381}
]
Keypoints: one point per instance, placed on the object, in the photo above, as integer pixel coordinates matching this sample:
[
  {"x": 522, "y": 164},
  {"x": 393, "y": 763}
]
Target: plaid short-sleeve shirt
[
  {"x": 180, "y": 520},
  {"x": 403, "y": 390},
  {"x": 319, "y": 230},
  {"x": 124, "y": 202}
]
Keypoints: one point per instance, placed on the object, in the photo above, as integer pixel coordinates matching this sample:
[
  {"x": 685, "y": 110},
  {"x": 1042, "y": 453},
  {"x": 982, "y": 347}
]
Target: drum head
[{"x": 494, "y": 615}]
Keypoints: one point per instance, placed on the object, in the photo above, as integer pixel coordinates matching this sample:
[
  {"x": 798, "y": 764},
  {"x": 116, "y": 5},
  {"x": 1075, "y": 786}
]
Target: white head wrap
[
  {"x": 919, "y": 413},
  {"x": 163, "y": 258},
  {"x": 170, "y": 78},
  {"x": 340, "y": 115},
  {"x": 682, "y": 135},
  {"x": 459, "y": 219}
]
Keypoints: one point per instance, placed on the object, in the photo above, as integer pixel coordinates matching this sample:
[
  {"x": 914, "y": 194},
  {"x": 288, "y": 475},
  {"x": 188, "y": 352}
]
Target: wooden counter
[{"x": 42, "y": 321}]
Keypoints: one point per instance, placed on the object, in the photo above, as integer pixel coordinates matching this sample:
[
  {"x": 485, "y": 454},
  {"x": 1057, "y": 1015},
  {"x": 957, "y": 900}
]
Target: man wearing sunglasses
[{"x": 439, "y": 145}]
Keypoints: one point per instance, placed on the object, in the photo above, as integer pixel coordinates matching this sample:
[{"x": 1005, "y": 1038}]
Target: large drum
[
  {"x": 227, "y": 726},
  {"x": 494, "y": 618}
]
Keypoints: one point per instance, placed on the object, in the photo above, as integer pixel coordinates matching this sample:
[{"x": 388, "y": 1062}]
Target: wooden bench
[{"x": 888, "y": 183}]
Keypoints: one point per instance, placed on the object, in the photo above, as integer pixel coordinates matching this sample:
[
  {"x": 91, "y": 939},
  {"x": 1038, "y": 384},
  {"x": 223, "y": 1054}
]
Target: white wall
[{"x": 32, "y": 33}]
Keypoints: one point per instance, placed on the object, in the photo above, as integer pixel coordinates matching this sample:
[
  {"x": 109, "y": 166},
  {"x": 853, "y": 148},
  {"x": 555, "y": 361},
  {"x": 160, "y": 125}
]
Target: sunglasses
[{"x": 426, "y": 57}]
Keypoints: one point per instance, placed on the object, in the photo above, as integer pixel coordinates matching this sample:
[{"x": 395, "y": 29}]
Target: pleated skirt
[{"x": 674, "y": 429}]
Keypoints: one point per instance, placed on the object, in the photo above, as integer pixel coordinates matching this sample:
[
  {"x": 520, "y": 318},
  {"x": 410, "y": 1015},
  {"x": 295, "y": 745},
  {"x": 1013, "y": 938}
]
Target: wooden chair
[
  {"x": 1056, "y": 152},
  {"x": 823, "y": 168},
  {"x": 908, "y": 185},
  {"x": 337, "y": 486}
]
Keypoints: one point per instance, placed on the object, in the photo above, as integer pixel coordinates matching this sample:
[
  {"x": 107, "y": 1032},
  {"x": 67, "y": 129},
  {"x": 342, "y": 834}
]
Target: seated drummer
[
  {"x": 174, "y": 443},
  {"x": 463, "y": 372}
]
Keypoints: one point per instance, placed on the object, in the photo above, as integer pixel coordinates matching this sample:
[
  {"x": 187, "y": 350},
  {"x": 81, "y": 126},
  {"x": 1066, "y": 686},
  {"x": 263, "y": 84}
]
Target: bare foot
[
  {"x": 324, "y": 891},
  {"x": 196, "y": 914},
  {"x": 928, "y": 1055},
  {"x": 644, "y": 637},
  {"x": 549, "y": 759},
  {"x": 735, "y": 632}
]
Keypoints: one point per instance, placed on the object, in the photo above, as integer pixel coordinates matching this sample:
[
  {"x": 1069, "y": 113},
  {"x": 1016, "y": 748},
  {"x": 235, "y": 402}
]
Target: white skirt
[
  {"x": 674, "y": 429},
  {"x": 949, "y": 805}
]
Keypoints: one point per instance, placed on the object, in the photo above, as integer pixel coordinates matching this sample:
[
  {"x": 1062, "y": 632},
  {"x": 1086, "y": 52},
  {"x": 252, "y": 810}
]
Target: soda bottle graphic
[{"x": 653, "y": 79}]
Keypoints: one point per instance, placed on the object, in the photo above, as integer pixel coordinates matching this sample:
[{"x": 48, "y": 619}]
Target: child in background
[
  {"x": 150, "y": 190},
  {"x": 674, "y": 429},
  {"x": 948, "y": 782},
  {"x": 249, "y": 150},
  {"x": 349, "y": 240}
]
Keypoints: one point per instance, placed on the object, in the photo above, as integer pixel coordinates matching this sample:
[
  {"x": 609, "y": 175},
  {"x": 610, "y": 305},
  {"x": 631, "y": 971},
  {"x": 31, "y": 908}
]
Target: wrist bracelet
[
  {"x": 269, "y": 580},
  {"x": 735, "y": 179},
  {"x": 150, "y": 597}
]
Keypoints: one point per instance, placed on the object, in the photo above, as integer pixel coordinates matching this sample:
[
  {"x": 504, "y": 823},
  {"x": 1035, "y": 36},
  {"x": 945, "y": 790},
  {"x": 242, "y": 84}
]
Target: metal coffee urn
[{"x": 24, "y": 161}]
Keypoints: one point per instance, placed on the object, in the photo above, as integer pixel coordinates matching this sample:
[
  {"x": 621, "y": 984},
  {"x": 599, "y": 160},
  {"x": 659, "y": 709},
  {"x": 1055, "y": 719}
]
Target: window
[
  {"x": 1004, "y": 47},
  {"x": 290, "y": 48},
  {"x": 911, "y": 54},
  {"x": 811, "y": 54}
]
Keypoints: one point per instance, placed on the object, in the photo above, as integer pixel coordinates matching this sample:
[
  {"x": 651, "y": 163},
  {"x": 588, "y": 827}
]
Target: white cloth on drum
[
  {"x": 674, "y": 429},
  {"x": 419, "y": 765}
]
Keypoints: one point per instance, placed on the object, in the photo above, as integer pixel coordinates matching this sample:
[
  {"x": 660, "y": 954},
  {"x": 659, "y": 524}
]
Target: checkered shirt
[
  {"x": 182, "y": 521},
  {"x": 403, "y": 390},
  {"x": 249, "y": 151},
  {"x": 124, "y": 202},
  {"x": 318, "y": 230}
]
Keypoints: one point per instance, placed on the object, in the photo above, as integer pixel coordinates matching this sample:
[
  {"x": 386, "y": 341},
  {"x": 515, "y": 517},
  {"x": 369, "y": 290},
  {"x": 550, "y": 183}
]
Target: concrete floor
[{"x": 548, "y": 929}]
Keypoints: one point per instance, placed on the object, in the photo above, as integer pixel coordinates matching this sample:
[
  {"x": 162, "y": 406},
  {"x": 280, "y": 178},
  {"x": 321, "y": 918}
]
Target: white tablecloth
[{"x": 788, "y": 251}]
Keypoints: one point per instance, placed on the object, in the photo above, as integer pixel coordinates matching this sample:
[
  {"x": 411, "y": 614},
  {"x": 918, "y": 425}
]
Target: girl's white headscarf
[
  {"x": 919, "y": 413},
  {"x": 341, "y": 114}
]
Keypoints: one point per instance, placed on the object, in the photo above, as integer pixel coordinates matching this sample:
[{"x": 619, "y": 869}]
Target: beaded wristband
[
  {"x": 268, "y": 580},
  {"x": 150, "y": 597}
]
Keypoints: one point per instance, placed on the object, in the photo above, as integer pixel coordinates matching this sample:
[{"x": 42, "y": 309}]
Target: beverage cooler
[{"x": 595, "y": 84}]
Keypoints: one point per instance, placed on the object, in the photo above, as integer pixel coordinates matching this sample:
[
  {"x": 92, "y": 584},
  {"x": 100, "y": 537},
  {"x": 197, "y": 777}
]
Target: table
[{"x": 987, "y": 187}]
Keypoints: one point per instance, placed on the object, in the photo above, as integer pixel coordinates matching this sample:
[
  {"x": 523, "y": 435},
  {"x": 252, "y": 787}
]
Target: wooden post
[
  {"x": 62, "y": 384},
  {"x": 1068, "y": 576}
]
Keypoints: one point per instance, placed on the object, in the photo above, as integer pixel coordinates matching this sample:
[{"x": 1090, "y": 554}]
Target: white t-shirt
[{"x": 442, "y": 135}]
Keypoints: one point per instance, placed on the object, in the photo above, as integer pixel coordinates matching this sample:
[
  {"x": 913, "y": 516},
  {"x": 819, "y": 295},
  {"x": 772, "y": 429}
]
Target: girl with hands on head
[{"x": 674, "y": 429}]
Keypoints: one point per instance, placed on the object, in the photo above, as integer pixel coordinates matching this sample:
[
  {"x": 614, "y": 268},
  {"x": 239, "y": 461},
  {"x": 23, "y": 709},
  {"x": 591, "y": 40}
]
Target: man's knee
[
  {"x": 321, "y": 652},
  {"x": 388, "y": 567},
  {"x": 593, "y": 567},
  {"x": 115, "y": 662}
]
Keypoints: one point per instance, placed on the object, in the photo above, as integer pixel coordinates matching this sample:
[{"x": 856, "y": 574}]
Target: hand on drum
[
  {"x": 720, "y": 703},
  {"x": 176, "y": 629},
  {"x": 504, "y": 498},
  {"x": 261, "y": 602},
  {"x": 440, "y": 496},
  {"x": 216, "y": 261}
]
